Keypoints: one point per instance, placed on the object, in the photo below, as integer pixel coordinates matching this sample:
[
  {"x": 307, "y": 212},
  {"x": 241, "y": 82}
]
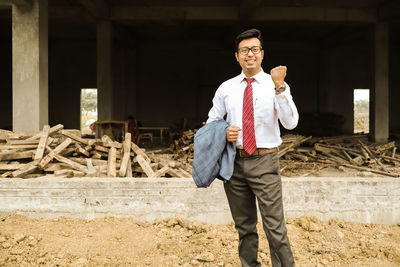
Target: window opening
[{"x": 361, "y": 110}]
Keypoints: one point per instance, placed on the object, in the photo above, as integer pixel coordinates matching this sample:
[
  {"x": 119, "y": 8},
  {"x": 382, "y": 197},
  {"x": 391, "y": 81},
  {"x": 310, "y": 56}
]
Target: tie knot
[{"x": 249, "y": 80}]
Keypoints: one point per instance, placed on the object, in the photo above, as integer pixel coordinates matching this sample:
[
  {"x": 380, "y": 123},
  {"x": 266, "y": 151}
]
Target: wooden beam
[
  {"x": 42, "y": 143},
  {"x": 97, "y": 8}
]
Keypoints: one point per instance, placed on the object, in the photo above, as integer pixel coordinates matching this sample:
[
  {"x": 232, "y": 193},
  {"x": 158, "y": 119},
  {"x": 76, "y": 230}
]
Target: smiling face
[{"x": 250, "y": 63}]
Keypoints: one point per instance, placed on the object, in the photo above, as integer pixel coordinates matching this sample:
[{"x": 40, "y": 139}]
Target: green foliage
[
  {"x": 89, "y": 101},
  {"x": 361, "y": 106}
]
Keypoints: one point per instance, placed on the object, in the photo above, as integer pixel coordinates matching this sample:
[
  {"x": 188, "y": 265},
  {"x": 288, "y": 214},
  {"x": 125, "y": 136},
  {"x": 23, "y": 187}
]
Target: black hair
[{"x": 247, "y": 35}]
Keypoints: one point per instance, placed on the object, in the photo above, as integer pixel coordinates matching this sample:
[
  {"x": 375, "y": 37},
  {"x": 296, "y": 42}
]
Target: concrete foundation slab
[{"x": 368, "y": 200}]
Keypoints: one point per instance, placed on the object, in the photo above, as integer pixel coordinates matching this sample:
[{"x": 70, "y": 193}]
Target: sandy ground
[{"x": 177, "y": 242}]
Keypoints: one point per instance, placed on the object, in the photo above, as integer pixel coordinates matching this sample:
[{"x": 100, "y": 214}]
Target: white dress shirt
[{"x": 268, "y": 108}]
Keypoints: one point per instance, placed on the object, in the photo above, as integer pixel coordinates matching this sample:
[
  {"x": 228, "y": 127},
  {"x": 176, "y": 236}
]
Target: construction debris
[
  {"x": 350, "y": 151},
  {"x": 64, "y": 153}
]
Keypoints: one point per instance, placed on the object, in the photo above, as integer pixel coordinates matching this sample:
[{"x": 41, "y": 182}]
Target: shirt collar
[{"x": 257, "y": 77}]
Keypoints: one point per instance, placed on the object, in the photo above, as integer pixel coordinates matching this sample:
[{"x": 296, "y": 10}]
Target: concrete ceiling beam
[
  {"x": 247, "y": 8},
  {"x": 154, "y": 13},
  {"x": 99, "y": 9},
  {"x": 24, "y": 3},
  {"x": 5, "y": 3},
  {"x": 225, "y": 14}
]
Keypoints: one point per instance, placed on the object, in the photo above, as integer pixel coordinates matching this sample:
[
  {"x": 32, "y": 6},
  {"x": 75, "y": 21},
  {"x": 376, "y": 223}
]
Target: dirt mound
[{"x": 178, "y": 242}]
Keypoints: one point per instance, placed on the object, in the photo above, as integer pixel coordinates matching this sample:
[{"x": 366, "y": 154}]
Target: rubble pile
[
  {"x": 64, "y": 153},
  {"x": 349, "y": 151}
]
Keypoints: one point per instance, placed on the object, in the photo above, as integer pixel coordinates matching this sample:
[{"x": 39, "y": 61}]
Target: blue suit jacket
[{"x": 213, "y": 156}]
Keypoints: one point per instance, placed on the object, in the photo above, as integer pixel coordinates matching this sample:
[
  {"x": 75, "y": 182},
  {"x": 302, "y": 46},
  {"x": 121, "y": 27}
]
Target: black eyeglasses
[{"x": 254, "y": 49}]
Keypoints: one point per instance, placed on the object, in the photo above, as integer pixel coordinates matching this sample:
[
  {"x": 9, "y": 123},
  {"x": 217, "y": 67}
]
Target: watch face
[{"x": 280, "y": 89}]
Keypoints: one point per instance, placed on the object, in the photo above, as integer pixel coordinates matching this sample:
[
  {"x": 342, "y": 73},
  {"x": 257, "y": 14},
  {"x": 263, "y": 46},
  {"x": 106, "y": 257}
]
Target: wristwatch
[{"x": 280, "y": 89}]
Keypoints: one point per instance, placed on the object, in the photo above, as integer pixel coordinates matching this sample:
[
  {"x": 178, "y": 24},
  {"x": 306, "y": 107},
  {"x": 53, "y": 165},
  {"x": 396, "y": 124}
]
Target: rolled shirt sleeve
[
  {"x": 286, "y": 109},
  {"x": 218, "y": 111}
]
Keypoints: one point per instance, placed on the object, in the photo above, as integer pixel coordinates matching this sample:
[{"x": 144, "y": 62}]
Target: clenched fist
[
  {"x": 232, "y": 133},
  {"x": 278, "y": 75}
]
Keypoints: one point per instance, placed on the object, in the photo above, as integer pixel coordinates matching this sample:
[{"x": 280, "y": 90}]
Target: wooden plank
[
  {"x": 81, "y": 150},
  {"x": 17, "y": 155},
  {"x": 129, "y": 169},
  {"x": 96, "y": 155},
  {"x": 372, "y": 155},
  {"x": 101, "y": 148},
  {"x": 54, "y": 152},
  {"x": 17, "y": 147},
  {"x": 52, "y": 167},
  {"x": 384, "y": 157},
  {"x": 67, "y": 152},
  {"x": 111, "y": 168},
  {"x": 67, "y": 173},
  {"x": 140, "y": 152},
  {"x": 185, "y": 173},
  {"x": 52, "y": 130},
  {"x": 96, "y": 162},
  {"x": 6, "y": 174},
  {"x": 165, "y": 161},
  {"x": 161, "y": 172},
  {"x": 23, "y": 142},
  {"x": 75, "y": 137},
  {"x": 294, "y": 144},
  {"x": 21, "y": 135},
  {"x": 107, "y": 142},
  {"x": 175, "y": 173},
  {"x": 26, "y": 169},
  {"x": 371, "y": 170},
  {"x": 10, "y": 167},
  {"x": 42, "y": 143},
  {"x": 71, "y": 163},
  {"x": 145, "y": 166},
  {"x": 384, "y": 147},
  {"x": 126, "y": 155},
  {"x": 338, "y": 147}
]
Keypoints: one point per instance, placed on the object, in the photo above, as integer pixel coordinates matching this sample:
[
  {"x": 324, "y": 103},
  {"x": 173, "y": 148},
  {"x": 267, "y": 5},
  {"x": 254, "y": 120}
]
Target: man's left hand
[{"x": 278, "y": 75}]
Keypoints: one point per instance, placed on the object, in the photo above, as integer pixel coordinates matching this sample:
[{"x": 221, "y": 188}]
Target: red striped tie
[{"x": 249, "y": 137}]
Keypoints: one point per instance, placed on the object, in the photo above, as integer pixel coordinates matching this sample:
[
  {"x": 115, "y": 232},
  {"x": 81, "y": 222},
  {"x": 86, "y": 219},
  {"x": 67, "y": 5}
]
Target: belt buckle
[{"x": 243, "y": 154}]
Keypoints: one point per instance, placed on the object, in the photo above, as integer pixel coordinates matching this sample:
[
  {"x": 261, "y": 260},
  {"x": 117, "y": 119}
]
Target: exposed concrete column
[
  {"x": 30, "y": 65},
  {"x": 104, "y": 70},
  {"x": 380, "y": 101}
]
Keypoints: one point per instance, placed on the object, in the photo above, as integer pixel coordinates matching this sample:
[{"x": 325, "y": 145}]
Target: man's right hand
[{"x": 232, "y": 133}]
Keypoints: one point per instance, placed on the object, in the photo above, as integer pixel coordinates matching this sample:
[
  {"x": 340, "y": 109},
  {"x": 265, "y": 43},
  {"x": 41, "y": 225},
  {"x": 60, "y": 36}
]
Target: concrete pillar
[
  {"x": 30, "y": 65},
  {"x": 104, "y": 70},
  {"x": 380, "y": 102}
]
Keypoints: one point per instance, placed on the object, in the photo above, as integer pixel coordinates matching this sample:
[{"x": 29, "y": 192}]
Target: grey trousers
[{"x": 259, "y": 177}]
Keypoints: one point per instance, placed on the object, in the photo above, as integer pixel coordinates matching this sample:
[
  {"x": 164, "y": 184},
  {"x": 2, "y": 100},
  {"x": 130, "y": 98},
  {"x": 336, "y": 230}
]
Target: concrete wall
[{"x": 368, "y": 200}]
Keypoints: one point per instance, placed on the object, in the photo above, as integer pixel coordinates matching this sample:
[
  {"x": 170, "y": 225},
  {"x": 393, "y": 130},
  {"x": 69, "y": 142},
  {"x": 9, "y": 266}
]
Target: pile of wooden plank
[
  {"x": 183, "y": 148},
  {"x": 351, "y": 151},
  {"x": 64, "y": 153}
]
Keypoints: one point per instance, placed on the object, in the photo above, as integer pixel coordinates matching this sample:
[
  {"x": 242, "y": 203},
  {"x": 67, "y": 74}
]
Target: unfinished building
[{"x": 160, "y": 61}]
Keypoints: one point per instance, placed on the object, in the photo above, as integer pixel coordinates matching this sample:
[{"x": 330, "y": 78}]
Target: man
[{"x": 253, "y": 102}]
